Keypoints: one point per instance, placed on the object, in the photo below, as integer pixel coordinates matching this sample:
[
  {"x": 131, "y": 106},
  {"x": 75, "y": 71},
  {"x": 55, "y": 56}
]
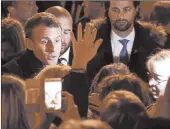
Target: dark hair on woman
[
  {"x": 160, "y": 14},
  {"x": 13, "y": 33},
  {"x": 129, "y": 82},
  {"x": 84, "y": 124},
  {"x": 107, "y": 70},
  {"x": 13, "y": 109},
  {"x": 121, "y": 108}
]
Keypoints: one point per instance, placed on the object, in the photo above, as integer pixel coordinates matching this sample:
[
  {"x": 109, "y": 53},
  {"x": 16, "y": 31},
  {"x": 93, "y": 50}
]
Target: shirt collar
[
  {"x": 130, "y": 37},
  {"x": 66, "y": 55}
]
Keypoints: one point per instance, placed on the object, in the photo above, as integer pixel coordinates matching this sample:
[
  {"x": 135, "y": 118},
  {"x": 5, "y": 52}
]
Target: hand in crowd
[
  {"x": 70, "y": 109},
  {"x": 163, "y": 103},
  {"x": 94, "y": 102},
  {"x": 85, "y": 47},
  {"x": 33, "y": 97}
]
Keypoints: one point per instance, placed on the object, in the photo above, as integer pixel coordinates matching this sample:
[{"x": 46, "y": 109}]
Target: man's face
[
  {"x": 46, "y": 44},
  {"x": 25, "y": 9},
  {"x": 121, "y": 14},
  {"x": 66, "y": 25},
  {"x": 159, "y": 77}
]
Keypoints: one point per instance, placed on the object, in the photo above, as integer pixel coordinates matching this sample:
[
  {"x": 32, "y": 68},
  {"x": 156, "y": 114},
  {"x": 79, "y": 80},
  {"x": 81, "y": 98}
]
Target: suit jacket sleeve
[{"x": 77, "y": 85}]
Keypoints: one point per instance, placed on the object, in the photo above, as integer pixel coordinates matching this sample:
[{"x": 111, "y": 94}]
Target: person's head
[
  {"x": 158, "y": 66},
  {"x": 13, "y": 106},
  {"x": 160, "y": 14},
  {"x": 13, "y": 38},
  {"x": 107, "y": 70},
  {"x": 129, "y": 82},
  {"x": 84, "y": 124},
  {"x": 66, "y": 22},
  {"x": 122, "y": 14},
  {"x": 94, "y": 9},
  {"x": 43, "y": 37},
  {"x": 53, "y": 71},
  {"x": 121, "y": 108},
  {"x": 21, "y": 10}
]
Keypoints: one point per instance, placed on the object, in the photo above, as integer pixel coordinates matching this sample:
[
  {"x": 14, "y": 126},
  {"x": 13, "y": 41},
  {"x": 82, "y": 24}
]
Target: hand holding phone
[{"x": 70, "y": 109}]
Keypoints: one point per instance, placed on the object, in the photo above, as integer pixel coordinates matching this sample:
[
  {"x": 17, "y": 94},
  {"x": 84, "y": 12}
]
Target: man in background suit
[
  {"x": 66, "y": 22},
  {"x": 124, "y": 40}
]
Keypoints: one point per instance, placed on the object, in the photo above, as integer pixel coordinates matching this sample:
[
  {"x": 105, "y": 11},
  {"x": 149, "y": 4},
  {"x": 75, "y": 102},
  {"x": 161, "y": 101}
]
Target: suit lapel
[
  {"x": 135, "y": 48},
  {"x": 70, "y": 55}
]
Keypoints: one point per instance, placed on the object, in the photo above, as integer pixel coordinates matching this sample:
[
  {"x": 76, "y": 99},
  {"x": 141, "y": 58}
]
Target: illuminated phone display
[{"x": 53, "y": 88}]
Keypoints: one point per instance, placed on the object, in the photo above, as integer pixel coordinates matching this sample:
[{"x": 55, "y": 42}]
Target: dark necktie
[
  {"x": 62, "y": 61},
  {"x": 123, "y": 53}
]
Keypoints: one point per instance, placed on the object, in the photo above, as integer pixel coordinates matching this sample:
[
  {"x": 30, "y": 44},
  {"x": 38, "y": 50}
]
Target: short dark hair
[
  {"x": 129, "y": 82},
  {"x": 120, "y": 109},
  {"x": 43, "y": 18},
  {"x": 107, "y": 70},
  {"x": 161, "y": 13},
  {"x": 107, "y": 4}
]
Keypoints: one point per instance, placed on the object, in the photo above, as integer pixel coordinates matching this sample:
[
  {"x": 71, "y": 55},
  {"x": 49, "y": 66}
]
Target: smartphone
[{"x": 53, "y": 89}]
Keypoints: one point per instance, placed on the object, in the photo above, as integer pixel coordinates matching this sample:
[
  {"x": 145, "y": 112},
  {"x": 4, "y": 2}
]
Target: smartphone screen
[{"x": 53, "y": 88}]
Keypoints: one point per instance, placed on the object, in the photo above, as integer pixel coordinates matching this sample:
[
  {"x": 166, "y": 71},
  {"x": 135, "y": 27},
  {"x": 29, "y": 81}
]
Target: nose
[
  {"x": 50, "y": 47},
  {"x": 152, "y": 82},
  {"x": 121, "y": 15}
]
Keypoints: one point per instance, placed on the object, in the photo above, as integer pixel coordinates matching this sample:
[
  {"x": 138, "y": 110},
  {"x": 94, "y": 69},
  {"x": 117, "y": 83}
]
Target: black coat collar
[{"x": 29, "y": 64}]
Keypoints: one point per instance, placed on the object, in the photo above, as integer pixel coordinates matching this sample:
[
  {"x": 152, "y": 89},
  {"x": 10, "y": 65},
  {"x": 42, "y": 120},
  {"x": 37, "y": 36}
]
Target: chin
[{"x": 52, "y": 62}]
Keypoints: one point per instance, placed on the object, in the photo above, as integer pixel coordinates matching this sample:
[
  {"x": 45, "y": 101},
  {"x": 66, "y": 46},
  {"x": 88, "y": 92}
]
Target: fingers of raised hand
[
  {"x": 98, "y": 43},
  {"x": 92, "y": 36},
  {"x": 79, "y": 34},
  {"x": 87, "y": 32}
]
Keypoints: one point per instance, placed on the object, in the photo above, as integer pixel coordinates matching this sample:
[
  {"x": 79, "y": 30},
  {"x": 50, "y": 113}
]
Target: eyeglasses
[{"x": 156, "y": 78}]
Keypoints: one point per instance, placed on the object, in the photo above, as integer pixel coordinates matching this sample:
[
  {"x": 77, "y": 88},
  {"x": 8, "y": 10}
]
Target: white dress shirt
[
  {"x": 117, "y": 46},
  {"x": 66, "y": 57}
]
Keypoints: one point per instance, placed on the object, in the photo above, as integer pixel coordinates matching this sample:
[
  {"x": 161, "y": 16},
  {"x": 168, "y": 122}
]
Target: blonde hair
[
  {"x": 53, "y": 71},
  {"x": 161, "y": 58}
]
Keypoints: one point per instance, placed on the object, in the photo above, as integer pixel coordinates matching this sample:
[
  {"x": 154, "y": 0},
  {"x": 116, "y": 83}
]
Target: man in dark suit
[
  {"x": 43, "y": 38},
  {"x": 124, "y": 40},
  {"x": 66, "y": 22}
]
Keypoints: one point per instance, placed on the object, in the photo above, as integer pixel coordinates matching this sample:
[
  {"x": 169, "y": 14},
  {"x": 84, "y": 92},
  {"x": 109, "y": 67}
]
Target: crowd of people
[{"x": 112, "y": 59}]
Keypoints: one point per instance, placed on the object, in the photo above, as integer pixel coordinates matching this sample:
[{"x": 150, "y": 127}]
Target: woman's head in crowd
[
  {"x": 84, "y": 124},
  {"x": 13, "y": 38},
  {"x": 13, "y": 109},
  {"x": 158, "y": 67},
  {"x": 116, "y": 68},
  {"x": 53, "y": 71},
  {"x": 129, "y": 82},
  {"x": 160, "y": 14},
  {"x": 121, "y": 108}
]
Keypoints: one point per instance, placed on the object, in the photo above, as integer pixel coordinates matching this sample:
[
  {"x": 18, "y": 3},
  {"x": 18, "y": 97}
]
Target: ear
[
  {"x": 29, "y": 44},
  {"x": 11, "y": 10}
]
